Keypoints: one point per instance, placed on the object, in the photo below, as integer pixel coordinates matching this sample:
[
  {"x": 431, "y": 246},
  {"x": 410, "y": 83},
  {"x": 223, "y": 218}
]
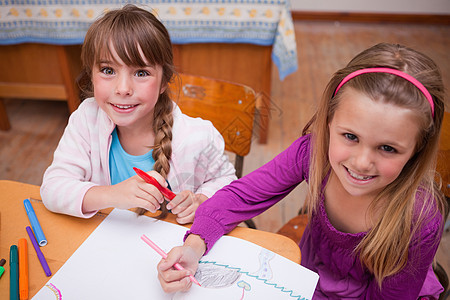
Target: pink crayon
[{"x": 164, "y": 255}]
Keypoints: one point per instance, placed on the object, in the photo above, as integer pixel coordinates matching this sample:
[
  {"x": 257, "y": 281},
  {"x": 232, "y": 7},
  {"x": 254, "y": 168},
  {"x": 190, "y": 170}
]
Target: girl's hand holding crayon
[
  {"x": 134, "y": 192},
  {"x": 188, "y": 256},
  {"x": 130, "y": 193},
  {"x": 183, "y": 205}
]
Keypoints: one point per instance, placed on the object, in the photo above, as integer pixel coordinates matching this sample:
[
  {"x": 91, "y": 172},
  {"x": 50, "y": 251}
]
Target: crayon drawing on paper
[{"x": 114, "y": 263}]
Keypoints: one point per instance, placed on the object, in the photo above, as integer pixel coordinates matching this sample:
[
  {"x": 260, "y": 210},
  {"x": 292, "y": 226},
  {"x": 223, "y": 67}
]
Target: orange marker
[{"x": 23, "y": 269}]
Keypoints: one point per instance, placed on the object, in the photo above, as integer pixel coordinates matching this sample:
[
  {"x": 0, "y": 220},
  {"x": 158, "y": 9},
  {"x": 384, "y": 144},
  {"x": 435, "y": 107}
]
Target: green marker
[
  {"x": 2, "y": 269},
  {"x": 14, "y": 273}
]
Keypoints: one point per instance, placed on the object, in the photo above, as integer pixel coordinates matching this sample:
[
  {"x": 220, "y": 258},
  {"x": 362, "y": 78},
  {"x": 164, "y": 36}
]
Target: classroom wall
[{"x": 441, "y": 7}]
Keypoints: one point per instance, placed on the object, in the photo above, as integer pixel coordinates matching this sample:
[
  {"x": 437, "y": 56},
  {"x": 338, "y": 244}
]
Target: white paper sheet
[{"x": 114, "y": 263}]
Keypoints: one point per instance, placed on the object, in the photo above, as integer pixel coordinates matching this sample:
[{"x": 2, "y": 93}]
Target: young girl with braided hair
[
  {"x": 131, "y": 121},
  {"x": 368, "y": 155}
]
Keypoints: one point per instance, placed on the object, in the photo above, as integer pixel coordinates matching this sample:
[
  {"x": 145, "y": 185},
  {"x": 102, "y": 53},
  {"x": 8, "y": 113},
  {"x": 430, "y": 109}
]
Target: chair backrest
[{"x": 229, "y": 106}]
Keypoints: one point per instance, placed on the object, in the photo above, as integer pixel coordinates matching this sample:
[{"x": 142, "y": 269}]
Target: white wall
[{"x": 374, "y": 6}]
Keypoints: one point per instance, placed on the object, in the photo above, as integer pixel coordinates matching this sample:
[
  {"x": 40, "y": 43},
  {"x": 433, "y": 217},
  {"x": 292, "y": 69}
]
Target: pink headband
[{"x": 390, "y": 71}]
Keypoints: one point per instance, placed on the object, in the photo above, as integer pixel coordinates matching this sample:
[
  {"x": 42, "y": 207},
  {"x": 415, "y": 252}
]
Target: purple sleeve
[
  {"x": 412, "y": 281},
  {"x": 252, "y": 194}
]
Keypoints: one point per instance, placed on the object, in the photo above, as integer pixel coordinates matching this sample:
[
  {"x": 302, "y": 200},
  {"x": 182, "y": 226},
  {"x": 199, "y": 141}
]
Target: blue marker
[{"x": 40, "y": 237}]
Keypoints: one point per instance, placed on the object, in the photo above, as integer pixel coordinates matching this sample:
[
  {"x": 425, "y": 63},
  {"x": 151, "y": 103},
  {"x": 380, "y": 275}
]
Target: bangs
[
  {"x": 390, "y": 88},
  {"x": 132, "y": 35},
  {"x": 134, "y": 39},
  {"x": 127, "y": 49}
]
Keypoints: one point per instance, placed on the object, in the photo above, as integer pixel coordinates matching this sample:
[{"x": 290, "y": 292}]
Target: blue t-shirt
[{"x": 121, "y": 163}]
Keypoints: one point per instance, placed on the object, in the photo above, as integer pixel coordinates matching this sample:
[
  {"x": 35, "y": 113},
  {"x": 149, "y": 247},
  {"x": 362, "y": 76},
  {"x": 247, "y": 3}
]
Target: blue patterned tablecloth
[{"x": 65, "y": 22}]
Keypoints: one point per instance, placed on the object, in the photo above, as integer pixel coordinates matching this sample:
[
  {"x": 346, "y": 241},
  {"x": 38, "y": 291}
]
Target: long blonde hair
[
  {"x": 131, "y": 30},
  {"x": 384, "y": 250}
]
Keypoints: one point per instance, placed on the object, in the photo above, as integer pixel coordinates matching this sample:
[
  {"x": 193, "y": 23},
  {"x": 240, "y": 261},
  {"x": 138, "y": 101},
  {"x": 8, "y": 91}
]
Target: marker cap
[
  {"x": 39, "y": 234},
  {"x": 13, "y": 254}
]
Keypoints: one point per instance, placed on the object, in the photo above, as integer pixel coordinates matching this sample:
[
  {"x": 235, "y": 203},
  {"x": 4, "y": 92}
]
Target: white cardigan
[{"x": 81, "y": 160}]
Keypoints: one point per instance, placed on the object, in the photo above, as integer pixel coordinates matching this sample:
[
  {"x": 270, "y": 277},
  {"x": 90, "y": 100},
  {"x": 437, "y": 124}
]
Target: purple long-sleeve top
[{"x": 324, "y": 249}]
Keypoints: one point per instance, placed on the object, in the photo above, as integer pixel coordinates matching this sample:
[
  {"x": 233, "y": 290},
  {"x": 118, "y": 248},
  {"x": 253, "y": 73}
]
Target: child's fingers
[
  {"x": 186, "y": 219},
  {"x": 146, "y": 199},
  {"x": 174, "y": 286},
  {"x": 187, "y": 284},
  {"x": 158, "y": 177},
  {"x": 172, "y": 274},
  {"x": 148, "y": 205},
  {"x": 168, "y": 274},
  {"x": 183, "y": 200},
  {"x": 175, "y": 202},
  {"x": 173, "y": 257},
  {"x": 187, "y": 211},
  {"x": 151, "y": 191}
]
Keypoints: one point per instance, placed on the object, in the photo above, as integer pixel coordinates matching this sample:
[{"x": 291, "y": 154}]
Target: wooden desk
[
  {"x": 233, "y": 40},
  {"x": 65, "y": 234}
]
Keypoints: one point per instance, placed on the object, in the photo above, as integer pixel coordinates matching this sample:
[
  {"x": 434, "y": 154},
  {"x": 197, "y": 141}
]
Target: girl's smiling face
[
  {"x": 370, "y": 143},
  {"x": 128, "y": 94}
]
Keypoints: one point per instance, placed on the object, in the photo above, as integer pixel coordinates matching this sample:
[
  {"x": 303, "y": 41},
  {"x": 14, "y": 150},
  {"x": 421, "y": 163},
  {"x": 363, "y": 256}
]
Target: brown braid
[{"x": 162, "y": 150}]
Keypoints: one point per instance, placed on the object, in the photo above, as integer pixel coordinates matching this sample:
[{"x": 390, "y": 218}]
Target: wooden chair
[
  {"x": 295, "y": 227},
  {"x": 229, "y": 106}
]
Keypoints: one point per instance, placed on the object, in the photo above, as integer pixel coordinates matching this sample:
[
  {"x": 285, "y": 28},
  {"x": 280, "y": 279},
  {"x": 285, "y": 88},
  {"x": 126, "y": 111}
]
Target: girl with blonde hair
[{"x": 368, "y": 155}]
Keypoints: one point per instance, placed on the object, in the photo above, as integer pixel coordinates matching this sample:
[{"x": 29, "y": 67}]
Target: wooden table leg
[
  {"x": 4, "y": 121},
  {"x": 69, "y": 73},
  {"x": 263, "y": 111},
  {"x": 263, "y": 103}
]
